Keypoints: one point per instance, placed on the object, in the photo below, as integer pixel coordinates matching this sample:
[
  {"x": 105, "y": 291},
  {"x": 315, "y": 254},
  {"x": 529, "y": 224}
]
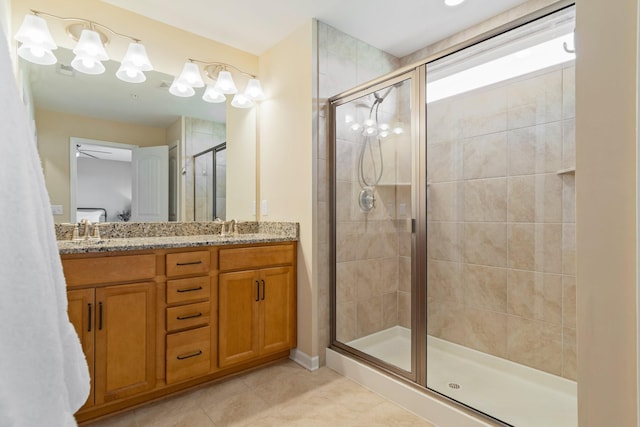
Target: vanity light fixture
[
  {"x": 453, "y": 2},
  {"x": 190, "y": 79},
  {"x": 37, "y": 45}
]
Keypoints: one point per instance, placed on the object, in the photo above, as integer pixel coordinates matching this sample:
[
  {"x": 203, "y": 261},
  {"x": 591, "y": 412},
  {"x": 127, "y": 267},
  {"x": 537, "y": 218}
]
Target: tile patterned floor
[{"x": 284, "y": 394}]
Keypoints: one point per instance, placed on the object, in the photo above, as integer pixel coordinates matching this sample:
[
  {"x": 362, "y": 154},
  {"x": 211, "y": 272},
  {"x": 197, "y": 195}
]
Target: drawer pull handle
[
  {"x": 100, "y": 316},
  {"x": 90, "y": 316},
  {"x": 190, "y": 316},
  {"x": 189, "y": 263},
  {"x": 186, "y": 356},
  {"x": 199, "y": 288}
]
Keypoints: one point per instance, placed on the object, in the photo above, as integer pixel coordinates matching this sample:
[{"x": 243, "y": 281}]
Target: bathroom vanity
[{"x": 158, "y": 315}]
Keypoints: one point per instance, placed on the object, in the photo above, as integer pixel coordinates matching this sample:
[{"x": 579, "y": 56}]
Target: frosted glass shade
[
  {"x": 90, "y": 45},
  {"x": 225, "y": 84},
  {"x": 190, "y": 75},
  {"x": 137, "y": 56},
  {"x": 254, "y": 90},
  {"x": 37, "y": 54},
  {"x": 241, "y": 101},
  {"x": 34, "y": 30},
  {"x": 130, "y": 73},
  {"x": 87, "y": 64},
  {"x": 179, "y": 88},
  {"x": 36, "y": 40},
  {"x": 211, "y": 95}
]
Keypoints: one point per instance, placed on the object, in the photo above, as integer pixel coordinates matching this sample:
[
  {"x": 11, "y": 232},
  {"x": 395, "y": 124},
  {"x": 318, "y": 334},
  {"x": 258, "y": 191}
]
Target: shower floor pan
[{"x": 514, "y": 393}]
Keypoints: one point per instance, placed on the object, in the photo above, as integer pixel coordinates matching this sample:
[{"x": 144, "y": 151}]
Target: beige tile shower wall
[
  {"x": 343, "y": 63},
  {"x": 501, "y": 221}
]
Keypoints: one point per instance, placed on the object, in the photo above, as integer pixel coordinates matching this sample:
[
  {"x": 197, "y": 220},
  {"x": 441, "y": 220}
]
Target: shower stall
[{"x": 453, "y": 224}]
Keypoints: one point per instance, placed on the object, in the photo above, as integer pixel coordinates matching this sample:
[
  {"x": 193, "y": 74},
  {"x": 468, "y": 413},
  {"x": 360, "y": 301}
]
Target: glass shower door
[
  {"x": 501, "y": 225},
  {"x": 373, "y": 209}
]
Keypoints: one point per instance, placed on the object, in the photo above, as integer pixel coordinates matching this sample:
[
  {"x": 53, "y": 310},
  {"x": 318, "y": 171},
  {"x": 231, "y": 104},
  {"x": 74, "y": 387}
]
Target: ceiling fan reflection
[{"x": 85, "y": 152}]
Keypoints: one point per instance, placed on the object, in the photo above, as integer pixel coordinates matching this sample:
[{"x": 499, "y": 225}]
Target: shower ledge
[{"x": 567, "y": 171}]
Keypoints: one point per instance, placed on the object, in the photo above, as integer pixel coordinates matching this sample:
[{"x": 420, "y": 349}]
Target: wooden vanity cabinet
[
  {"x": 116, "y": 325},
  {"x": 189, "y": 314},
  {"x": 156, "y": 322},
  {"x": 257, "y": 303}
]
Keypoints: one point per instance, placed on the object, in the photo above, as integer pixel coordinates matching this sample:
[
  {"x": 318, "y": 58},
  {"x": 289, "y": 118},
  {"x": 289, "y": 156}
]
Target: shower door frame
[
  {"x": 418, "y": 206},
  {"x": 417, "y": 71}
]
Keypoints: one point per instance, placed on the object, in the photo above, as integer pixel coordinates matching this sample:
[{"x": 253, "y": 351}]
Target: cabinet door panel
[
  {"x": 238, "y": 317},
  {"x": 125, "y": 341},
  {"x": 81, "y": 309},
  {"x": 277, "y": 309}
]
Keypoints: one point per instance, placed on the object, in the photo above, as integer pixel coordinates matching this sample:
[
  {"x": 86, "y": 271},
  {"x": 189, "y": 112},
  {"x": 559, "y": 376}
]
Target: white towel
[{"x": 44, "y": 377}]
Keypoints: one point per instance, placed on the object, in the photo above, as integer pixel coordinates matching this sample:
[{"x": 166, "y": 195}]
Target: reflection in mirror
[
  {"x": 210, "y": 183},
  {"x": 68, "y": 104}
]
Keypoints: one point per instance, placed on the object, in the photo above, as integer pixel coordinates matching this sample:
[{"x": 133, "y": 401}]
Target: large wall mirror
[{"x": 90, "y": 127}]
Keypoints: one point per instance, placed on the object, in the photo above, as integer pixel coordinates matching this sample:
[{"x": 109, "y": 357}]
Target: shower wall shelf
[{"x": 567, "y": 171}]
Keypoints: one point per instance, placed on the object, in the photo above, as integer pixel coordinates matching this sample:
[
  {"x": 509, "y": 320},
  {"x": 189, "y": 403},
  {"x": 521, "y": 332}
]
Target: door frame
[{"x": 73, "y": 167}]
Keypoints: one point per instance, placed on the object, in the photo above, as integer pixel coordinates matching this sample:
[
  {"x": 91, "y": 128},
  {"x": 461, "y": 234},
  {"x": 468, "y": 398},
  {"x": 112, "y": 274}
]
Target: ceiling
[{"x": 398, "y": 27}]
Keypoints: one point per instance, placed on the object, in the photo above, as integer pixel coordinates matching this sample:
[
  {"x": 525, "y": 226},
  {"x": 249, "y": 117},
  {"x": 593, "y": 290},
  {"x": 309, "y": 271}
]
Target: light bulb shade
[
  {"x": 130, "y": 73},
  {"x": 34, "y": 30},
  {"x": 225, "y": 83},
  {"x": 36, "y": 54},
  {"x": 211, "y": 95},
  {"x": 179, "y": 88},
  {"x": 137, "y": 56},
  {"x": 254, "y": 90},
  {"x": 190, "y": 75},
  {"x": 90, "y": 45},
  {"x": 87, "y": 64},
  {"x": 241, "y": 101}
]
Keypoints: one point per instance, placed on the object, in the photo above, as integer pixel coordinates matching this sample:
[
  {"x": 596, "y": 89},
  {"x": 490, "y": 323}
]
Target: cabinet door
[
  {"x": 81, "y": 309},
  {"x": 238, "y": 311},
  {"x": 277, "y": 306},
  {"x": 125, "y": 341}
]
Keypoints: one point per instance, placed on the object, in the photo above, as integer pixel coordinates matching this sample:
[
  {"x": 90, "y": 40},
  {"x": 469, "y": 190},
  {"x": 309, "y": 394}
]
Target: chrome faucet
[
  {"x": 87, "y": 228},
  {"x": 228, "y": 228}
]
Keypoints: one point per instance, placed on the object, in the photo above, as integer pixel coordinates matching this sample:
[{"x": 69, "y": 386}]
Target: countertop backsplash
[{"x": 127, "y": 230}]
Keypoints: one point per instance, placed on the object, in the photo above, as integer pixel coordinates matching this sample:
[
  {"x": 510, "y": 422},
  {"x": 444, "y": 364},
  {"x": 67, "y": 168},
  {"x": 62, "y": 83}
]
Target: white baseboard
[{"x": 304, "y": 360}]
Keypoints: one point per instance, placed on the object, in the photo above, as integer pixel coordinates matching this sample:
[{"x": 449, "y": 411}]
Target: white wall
[
  {"x": 112, "y": 178},
  {"x": 286, "y": 159},
  {"x": 606, "y": 147}
]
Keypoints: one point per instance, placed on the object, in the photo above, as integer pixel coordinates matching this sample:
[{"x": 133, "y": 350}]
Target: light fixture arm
[
  {"x": 211, "y": 68},
  {"x": 92, "y": 24}
]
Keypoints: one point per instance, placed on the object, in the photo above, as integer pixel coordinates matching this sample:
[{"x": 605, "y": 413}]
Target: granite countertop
[
  {"x": 137, "y": 240},
  {"x": 139, "y": 243}
]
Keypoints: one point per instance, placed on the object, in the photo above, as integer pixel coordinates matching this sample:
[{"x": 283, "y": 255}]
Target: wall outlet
[
  {"x": 263, "y": 208},
  {"x": 56, "y": 209}
]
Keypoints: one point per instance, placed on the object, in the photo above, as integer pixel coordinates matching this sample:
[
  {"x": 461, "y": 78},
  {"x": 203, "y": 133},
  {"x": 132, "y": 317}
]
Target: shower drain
[{"x": 454, "y": 386}]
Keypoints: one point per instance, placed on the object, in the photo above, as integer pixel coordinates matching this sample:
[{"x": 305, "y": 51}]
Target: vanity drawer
[
  {"x": 109, "y": 269},
  {"x": 188, "y": 354},
  {"x": 256, "y": 257},
  {"x": 185, "y": 263},
  {"x": 188, "y": 316},
  {"x": 188, "y": 290}
]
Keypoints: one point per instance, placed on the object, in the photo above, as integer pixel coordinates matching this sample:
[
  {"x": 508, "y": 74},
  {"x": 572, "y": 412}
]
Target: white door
[{"x": 150, "y": 189}]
